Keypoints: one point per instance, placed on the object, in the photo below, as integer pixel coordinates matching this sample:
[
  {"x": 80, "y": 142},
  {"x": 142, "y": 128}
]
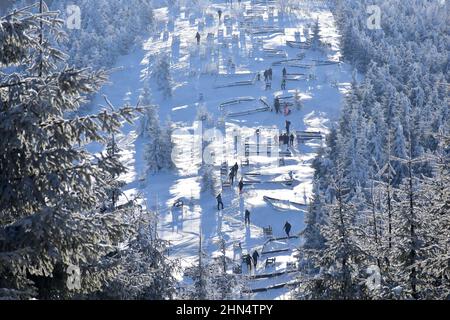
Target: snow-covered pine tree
[
  {"x": 340, "y": 261},
  {"x": 211, "y": 279},
  {"x": 228, "y": 286},
  {"x": 314, "y": 218},
  {"x": 102, "y": 37},
  {"x": 161, "y": 74},
  {"x": 198, "y": 274},
  {"x": 158, "y": 141},
  {"x": 434, "y": 269},
  {"x": 145, "y": 273},
  {"x": 403, "y": 74},
  {"x": 145, "y": 99},
  {"x": 167, "y": 142},
  {"x": 153, "y": 150},
  {"x": 409, "y": 228},
  {"x": 316, "y": 38},
  {"x": 54, "y": 240},
  {"x": 314, "y": 241}
]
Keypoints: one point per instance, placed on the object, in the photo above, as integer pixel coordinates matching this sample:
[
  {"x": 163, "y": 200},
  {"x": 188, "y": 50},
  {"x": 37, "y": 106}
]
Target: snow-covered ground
[{"x": 251, "y": 53}]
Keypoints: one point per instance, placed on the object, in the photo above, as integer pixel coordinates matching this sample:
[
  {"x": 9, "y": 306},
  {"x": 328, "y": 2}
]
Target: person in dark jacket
[
  {"x": 198, "y": 37},
  {"x": 277, "y": 105},
  {"x": 241, "y": 185},
  {"x": 286, "y": 139},
  {"x": 288, "y": 127},
  {"x": 219, "y": 12},
  {"x": 283, "y": 84},
  {"x": 284, "y": 73},
  {"x": 231, "y": 176},
  {"x": 247, "y": 217},
  {"x": 219, "y": 201},
  {"x": 292, "y": 139},
  {"x": 270, "y": 74},
  {"x": 287, "y": 228},
  {"x": 248, "y": 262},
  {"x": 255, "y": 258},
  {"x": 236, "y": 169}
]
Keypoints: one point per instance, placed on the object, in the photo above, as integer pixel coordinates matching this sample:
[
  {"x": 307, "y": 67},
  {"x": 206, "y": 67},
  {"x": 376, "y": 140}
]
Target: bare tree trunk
[
  {"x": 343, "y": 236},
  {"x": 41, "y": 38},
  {"x": 412, "y": 254},
  {"x": 374, "y": 217},
  {"x": 389, "y": 193}
]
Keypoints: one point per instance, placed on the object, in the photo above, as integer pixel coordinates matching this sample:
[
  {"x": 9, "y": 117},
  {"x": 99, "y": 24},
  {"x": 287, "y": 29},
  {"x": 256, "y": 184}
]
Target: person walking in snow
[
  {"x": 247, "y": 217},
  {"x": 292, "y": 138},
  {"x": 288, "y": 127},
  {"x": 283, "y": 84},
  {"x": 219, "y": 12},
  {"x": 241, "y": 185},
  {"x": 255, "y": 258},
  {"x": 270, "y": 74},
  {"x": 198, "y": 37},
  {"x": 231, "y": 176},
  {"x": 236, "y": 169},
  {"x": 248, "y": 262},
  {"x": 277, "y": 105},
  {"x": 284, "y": 73},
  {"x": 265, "y": 76},
  {"x": 287, "y": 228},
  {"x": 219, "y": 201}
]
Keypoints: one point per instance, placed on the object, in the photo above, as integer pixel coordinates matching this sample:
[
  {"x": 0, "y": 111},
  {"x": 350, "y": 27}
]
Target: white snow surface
[{"x": 321, "y": 99}]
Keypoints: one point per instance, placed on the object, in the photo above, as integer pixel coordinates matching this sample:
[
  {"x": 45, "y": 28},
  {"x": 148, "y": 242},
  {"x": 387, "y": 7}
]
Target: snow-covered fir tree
[
  {"x": 340, "y": 260},
  {"x": 212, "y": 280},
  {"x": 157, "y": 139},
  {"x": 158, "y": 142},
  {"x": 386, "y": 142},
  {"x": 56, "y": 241},
  {"x": 316, "y": 38},
  {"x": 161, "y": 74}
]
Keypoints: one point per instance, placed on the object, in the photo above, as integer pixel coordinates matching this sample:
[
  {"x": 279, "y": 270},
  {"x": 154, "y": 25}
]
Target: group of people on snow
[
  {"x": 232, "y": 176},
  {"x": 268, "y": 75},
  {"x": 287, "y": 140},
  {"x": 252, "y": 260},
  {"x": 277, "y": 107}
]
